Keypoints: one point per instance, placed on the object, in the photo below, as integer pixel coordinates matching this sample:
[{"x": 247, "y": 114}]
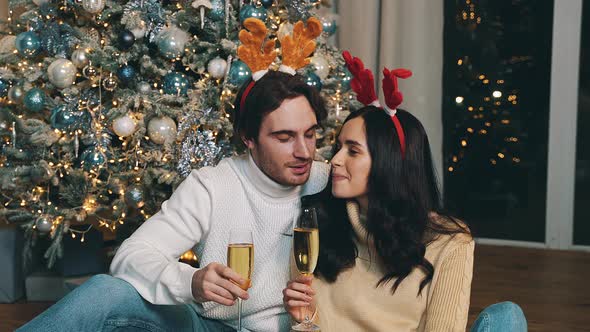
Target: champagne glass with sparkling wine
[
  {"x": 240, "y": 258},
  {"x": 306, "y": 247}
]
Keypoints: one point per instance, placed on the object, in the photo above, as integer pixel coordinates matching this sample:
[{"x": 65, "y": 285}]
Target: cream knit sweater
[
  {"x": 201, "y": 212},
  {"x": 352, "y": 303}
]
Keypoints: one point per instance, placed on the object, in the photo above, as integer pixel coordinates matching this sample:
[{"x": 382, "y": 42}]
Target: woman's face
[{"x": 351, "y": 164}]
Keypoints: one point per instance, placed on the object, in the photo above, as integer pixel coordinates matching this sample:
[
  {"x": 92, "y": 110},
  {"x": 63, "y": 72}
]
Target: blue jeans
[
  {"x": 105, "y": 303},
  {"x": 500, "y": 317}
]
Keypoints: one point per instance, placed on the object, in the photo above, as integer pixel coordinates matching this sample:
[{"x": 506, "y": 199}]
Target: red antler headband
[{"x": 363, "y": 85}]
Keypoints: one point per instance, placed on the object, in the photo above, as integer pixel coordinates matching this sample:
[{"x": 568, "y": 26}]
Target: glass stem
[
  {"x": 239, "y": 314},
  {"x": 306, "y": 320}
]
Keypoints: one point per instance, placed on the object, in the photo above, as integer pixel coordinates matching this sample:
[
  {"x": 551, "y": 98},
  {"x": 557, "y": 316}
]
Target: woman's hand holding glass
[{"x": 299, "y": 296}]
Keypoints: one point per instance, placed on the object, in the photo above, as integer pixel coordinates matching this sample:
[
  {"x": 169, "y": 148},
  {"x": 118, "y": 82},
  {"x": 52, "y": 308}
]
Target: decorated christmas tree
[{"x": 106, "y": 106}]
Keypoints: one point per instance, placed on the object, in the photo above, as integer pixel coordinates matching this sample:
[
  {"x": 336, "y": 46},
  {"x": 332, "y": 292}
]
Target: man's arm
[{"x": 148, "y": 259}]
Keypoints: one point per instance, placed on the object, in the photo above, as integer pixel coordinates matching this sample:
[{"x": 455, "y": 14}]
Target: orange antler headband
[
  {"x": 259, "y": 55},
  {"x": 363, "y": 84}
]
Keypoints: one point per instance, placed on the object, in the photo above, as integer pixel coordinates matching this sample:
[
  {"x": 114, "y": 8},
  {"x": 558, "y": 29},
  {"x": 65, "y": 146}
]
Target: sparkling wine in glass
[
  {"x": 306, "y": 247},
  {"x": 240, "y": 258}
]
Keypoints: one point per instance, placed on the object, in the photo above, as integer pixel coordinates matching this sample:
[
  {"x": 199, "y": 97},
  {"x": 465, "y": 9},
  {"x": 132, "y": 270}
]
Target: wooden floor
[{"x": 552, "y": 287}]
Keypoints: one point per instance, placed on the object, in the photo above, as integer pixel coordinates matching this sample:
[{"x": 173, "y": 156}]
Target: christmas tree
[{"x": 107, "y": 105}]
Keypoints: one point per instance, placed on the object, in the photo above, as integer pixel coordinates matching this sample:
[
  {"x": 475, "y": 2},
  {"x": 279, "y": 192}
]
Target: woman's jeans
[{"x": 504, "y": 316}]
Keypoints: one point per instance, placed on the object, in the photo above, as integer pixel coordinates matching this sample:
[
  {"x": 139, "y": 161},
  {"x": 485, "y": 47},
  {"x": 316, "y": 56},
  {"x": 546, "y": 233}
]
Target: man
[{"x": 276, "y": 119}]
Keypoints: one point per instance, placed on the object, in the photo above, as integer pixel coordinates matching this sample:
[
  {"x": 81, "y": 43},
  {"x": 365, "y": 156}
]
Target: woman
[{"x": 390, "y": 259}]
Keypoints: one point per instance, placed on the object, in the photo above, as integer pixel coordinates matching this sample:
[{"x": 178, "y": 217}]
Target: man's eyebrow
[
  {"x": 292, "y": 132},
  {"x": 282, "y": 132}
]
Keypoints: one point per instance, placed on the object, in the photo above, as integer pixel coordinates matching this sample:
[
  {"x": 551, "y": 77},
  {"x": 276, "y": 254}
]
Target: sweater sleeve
[
  {"x": 148, "y": 259},
  {"x": 448, "y": 306}
]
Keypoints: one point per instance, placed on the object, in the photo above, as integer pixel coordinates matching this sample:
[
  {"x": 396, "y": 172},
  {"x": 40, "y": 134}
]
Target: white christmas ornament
[
  {"x": 124, "y": 126},
  {"x": 162, "y": 130},
  {"x": 93, "y": 6},
  {"x": 217, "y": 67},
  {"x": 144, "y": 87},
  {"x": 140, "y": 30},
  {"x": 322, "y": 68},
  {"x": 40, "y": 2},
  {"x": 7, "y": 44},
  {"x": 171, "y": 41},
  {"x": 285, "y": 29},
  {"x": 62, "y": 73}
]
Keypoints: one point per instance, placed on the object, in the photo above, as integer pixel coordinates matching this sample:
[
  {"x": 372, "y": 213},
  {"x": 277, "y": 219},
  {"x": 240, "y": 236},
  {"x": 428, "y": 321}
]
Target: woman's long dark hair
[{"x": 402, "y": 192}]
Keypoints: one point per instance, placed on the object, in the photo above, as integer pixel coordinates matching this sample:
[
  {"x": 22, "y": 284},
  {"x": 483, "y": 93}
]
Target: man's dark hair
[{"x": 266, "y": 96}]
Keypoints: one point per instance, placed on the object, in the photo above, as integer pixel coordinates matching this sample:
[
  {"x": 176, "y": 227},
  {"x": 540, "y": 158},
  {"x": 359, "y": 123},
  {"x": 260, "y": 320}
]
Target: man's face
[{"x": 286, "y": 142}]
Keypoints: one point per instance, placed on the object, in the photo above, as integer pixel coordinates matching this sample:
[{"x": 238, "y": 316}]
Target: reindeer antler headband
[
  {"x": 363, "y": 84},
  {"x": 259, "y": 55}
]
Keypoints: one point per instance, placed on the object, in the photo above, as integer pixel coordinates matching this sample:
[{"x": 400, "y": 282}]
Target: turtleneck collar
[
  {"x": 265, "y": 184},
  {"x": 365, "y": 245},
  {"x": 357, "y": 220}
]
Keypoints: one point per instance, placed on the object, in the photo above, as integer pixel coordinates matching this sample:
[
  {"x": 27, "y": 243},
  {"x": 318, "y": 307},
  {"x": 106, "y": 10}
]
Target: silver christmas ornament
[
  {"x": 134, "y": 196},
  {"x": 90, "y": 72},
  {"x": 110, "y": 83},
  {"x": 43, "y": 224},
  {"x": 80, "y": 58},
  {"x": 16, "y": 94}
]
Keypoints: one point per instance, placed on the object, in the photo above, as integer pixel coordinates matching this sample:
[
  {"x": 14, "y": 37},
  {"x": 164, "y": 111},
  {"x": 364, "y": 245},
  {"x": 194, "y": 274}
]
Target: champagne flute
[
  {"x": 240, "y": 258},
  {"x": 306, "y": 247}
]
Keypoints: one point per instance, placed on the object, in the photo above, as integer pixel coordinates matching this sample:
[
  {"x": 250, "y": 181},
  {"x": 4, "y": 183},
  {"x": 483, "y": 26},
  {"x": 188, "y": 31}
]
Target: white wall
[{"x": 402, "y": 33}]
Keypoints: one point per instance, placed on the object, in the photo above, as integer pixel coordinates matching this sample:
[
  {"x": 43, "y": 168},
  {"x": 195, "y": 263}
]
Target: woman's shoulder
[
  {"x": 446, "y": 234},
  {"x": 441, "y": 224}
]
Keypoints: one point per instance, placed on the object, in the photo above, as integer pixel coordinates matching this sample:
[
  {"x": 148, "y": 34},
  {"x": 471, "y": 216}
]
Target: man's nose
[{"x": 301, "y": 150}]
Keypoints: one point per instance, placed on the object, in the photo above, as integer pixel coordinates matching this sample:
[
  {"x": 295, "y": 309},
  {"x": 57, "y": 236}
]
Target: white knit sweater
[{"x": 201, "y": 212}]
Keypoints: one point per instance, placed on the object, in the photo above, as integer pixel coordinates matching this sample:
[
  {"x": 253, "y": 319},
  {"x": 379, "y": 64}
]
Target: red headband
[
  {"x": 245, "y": 94},
  {"x": 363, "y": 85}
]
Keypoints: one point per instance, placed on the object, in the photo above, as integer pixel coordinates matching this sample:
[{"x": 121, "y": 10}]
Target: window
[{"x": 495, "y": 115}]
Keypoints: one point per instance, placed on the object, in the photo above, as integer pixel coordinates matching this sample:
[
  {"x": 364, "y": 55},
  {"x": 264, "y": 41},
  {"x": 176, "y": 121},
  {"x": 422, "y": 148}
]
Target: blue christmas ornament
[
  {"x": 313, "y": 80},
  {"x": 92, "y": 157},
  {"x": 266, "y": 3},
  {"x": 35, "y": 100},
  {"x": 175, "y": 83},
  {"x": 68, "y": 119},
  {"x": 329, "y": 26},
  {"x": 217, "y": 11},
  {"x": 345, "y": 77},
  {"x": 251, "y": 11},
  {"x": 4, "y": 86},
  {"x": 239, "y": 73},
  {"x": 126, "y": 74},
  {"x": 28, "y": 44}
]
